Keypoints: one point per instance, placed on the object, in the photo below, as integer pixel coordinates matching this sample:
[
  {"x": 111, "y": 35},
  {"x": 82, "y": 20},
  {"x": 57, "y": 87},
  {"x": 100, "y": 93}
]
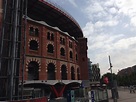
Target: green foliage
[
  {"x": 110, "y": 77},
  {"x": 127, "y": 80}
]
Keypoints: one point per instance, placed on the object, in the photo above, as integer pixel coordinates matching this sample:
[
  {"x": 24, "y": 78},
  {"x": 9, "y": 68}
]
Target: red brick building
[
  {"x": 52, "y": 54},
  {"x": 43, "y": 47}
]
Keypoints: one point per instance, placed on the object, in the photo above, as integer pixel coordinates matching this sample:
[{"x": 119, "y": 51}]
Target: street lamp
[{"x": 113, "y": 87}]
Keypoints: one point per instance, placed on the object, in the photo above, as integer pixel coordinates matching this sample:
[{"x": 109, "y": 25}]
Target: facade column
[
  {"x": 67, "y": 47},
  {"x": 1, "y": 13},
  {"x": 58, "y": 73},
  {"x": 69, "y": 72},
  {"x": 43, "y": 73},
  {"x": 57, "y": 45}
]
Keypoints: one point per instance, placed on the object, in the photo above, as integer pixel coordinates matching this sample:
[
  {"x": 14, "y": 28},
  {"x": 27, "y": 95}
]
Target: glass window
[
  {"x": 60, "y": 40},
  {"x": 72, "y": 73},
  {"x": 71, "y": 54},
  {"x": 31, "y": 31},
  {"x": 50, "y": 48},
  {"x": 33, "y": 73},
  {"x": 62, "y": 52},
  {"x": 76, "y": 57},
  {"x": 33, "y": 45},
  {"x": 51, "y": 71},
  {"x": 48, "y": 35},
  {"x": 37, "y": 32},
  {"x": 70, "y": 44},
  {"x": 63, "y": 41},
  {"x": 52, "y": 37}
]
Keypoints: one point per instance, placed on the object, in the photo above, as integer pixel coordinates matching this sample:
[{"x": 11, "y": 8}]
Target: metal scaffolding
[{"x": 10, "y": 48}]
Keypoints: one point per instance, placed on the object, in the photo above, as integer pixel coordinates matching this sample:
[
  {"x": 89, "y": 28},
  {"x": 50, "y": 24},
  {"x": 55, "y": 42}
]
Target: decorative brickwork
[
  {"x": 30, "y": 59},
  {"x": 57, "y": 48}
]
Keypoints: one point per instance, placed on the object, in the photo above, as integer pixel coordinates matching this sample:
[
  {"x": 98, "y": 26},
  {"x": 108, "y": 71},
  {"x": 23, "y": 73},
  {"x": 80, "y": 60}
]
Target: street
[{"x": 124, "y": 96}]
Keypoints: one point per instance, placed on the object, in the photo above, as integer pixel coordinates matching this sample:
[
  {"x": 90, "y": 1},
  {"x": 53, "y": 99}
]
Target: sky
[{"x": 110, "y": 27}]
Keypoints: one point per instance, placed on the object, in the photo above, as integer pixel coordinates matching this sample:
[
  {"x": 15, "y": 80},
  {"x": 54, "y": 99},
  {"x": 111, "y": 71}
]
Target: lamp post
[
  {"x": 113, "y": 89},
  {"x": 111, "y": 69}
]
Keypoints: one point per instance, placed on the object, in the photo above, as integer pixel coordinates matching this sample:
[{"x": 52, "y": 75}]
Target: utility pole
[
  {"x": 110, "y": 69},
  {"x": 113, "y": 89}
]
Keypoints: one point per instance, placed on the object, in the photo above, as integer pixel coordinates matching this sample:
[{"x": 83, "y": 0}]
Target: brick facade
[{"x": 77, "y": 49}]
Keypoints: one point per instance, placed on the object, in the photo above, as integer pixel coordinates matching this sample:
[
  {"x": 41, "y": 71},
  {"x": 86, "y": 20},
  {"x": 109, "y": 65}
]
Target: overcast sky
[{"x": 110, "y": 26}]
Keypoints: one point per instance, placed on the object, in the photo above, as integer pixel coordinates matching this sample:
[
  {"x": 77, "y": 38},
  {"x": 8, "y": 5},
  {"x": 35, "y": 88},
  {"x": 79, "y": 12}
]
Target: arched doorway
[
  {"x": 63, "y": 72},
  {"x": 33, "y": 73},
  {"x": 51, "y": 71},
  {"x": 72, "y": 73}
]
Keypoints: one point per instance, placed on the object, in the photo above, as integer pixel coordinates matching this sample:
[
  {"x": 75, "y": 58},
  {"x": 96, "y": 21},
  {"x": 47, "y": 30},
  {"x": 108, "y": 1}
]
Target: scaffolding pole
[
  {"x": 10, "y": 49},
  {"x": 24, "y": 48}
]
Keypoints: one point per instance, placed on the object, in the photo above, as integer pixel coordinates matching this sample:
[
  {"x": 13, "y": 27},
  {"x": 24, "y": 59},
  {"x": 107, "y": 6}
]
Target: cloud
[
  {"x": 88, "y": 29},
  {"x": 106, "y": 23},
  {"x": 125, "y": 43},
  {"x": 110, "y": 29},
  {"x": 109, "y": 3},
  {"x": 133, "y": 21},
  {"x": 64, "y": 2},
  {"x": 73, "y": 3},
  {"x": 128, "y": 8},
  {"x": 107, "y": 33},
  {"x": 95, "y": 8},
  {"x": 122, "y": 52},
  {"x": 113, "y": 10}
]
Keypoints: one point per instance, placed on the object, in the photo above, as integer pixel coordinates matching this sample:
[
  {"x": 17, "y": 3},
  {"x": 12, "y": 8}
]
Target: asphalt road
[{"x": 124, "y": 96}]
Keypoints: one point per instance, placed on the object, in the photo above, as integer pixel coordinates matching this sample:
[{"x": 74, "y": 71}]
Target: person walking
[
  {"x": 130, "y": 89},
  {"x": 133, "y": 89}
]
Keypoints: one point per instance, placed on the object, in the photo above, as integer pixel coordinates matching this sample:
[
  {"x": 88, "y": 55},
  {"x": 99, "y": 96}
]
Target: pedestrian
[
  {"x": 133, "y": 89},
  {"x": 130, "y": 88}
]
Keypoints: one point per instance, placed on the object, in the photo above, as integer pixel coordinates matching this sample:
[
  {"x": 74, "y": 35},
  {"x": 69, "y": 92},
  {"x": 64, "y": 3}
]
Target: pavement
[{"x": 124, "y": 96}]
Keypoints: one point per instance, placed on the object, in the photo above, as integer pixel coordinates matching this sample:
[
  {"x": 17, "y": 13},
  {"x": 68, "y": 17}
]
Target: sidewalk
[{"x": 124, "y": 96}]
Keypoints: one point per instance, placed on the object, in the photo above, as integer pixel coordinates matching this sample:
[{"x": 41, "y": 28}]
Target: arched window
[
  {"x": 50, "y": 48},
  {"x": 62, "y": 52},
  {"x": 33, "y": 73},
  {"x": 63, "y": 72},
  {"x": 71, "y": 54},
  {"x": 60, "y": 40},
  {"x": 33, "y": 45},
  {"x": 72, "y": 73},
  {"x": 63, "y": 41},
  {"x": 70, "y": 44},
  {"x": 78, "y": 74},
  {"x": 48, "y": 35},
  {"x": 52, "y": 37},
  {"x": 31, "y": 30},
  {"x": 37, "y": 32},
  {"x": 51, "y": 71},
  {"x": 76, "y": 48},
  {"x": 76, "y": 57}
]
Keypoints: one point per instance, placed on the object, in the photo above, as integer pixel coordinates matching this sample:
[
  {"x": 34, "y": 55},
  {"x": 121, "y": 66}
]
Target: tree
[{"x": 110, "y": 77}]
